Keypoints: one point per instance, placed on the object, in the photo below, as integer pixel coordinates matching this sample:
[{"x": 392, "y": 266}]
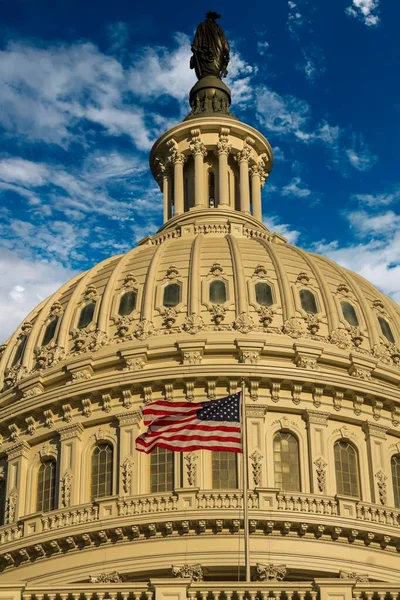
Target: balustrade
[
  {"x": 378, "y": 514},
  {"x": 306, "y": 503},
  {"x": 225, "y": 500},
  {"x": 146, "y": 504},
  {"x": 65, "y": 518}
]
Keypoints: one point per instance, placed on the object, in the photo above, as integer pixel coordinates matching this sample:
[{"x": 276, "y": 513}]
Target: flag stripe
[{"x": 185, "y": 426}]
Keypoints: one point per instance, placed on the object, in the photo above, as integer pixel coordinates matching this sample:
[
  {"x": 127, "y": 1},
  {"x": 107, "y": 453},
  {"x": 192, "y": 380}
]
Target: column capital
[
  {"x": 244, "y": 155},
  {"x": 374, "y": 430},
  {"x": 129, "y": 418},
  {"x": 71, "y": 431},
  {"x": 198, "y": 148},
  {"x": 223, "y": 145},
  {"x": 315, "y": 417},
  {"x": 18, "y": 450}
]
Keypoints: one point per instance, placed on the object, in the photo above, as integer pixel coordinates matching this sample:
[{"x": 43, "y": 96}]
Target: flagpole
[{"x": 245, "y": 484}]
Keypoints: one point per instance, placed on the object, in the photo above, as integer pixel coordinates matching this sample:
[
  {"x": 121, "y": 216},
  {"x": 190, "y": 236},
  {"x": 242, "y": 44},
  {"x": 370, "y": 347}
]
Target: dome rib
[
  {"x": 239, "y": 279},
  {"x": 150, "y": 282},
  {"x": 369, "y": 321},
  {"x": 195, "y": 276},
  {"x": 288, "y": 309},
  {"x": 330, "y": 308}
]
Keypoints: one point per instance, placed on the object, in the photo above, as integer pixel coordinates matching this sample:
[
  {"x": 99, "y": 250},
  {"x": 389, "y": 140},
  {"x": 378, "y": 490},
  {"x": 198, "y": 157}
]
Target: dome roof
[{"x": 164, "y": 287}]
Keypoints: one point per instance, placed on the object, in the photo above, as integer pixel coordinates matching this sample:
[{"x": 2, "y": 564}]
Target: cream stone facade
[{"x": 211, "y": 298}]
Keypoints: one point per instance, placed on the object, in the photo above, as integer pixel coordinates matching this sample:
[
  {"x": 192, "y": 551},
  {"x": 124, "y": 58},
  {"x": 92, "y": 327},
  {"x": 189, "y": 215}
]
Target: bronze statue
[{"x": 210, "y": 49}]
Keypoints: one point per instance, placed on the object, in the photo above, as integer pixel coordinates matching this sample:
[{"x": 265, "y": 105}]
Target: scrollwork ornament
[
  {"x": 47, "y": 356},
  {"x": 266, "y": 315},
  {"x": 382, "y": 353},
  {"x": 193, "y": 323},
  {"x": 395, "y": 353},
  {"x": 303, "y": 278},
  {"x": 341, "y": 338},
  {"x": 192, "y": 572},
  {"x": 99, "y": 339},
  {"x": 382, "y": 486},
  {"x": 321, "y": 465},
  {"x": 244, "y": 323},
  {"x": 13, "y": 374},
  {"x": 130, "y": 281},
  {"x": 113, "y": 577},
  {"x": 169, "y": 317},
  {"x": 256, "y": 467},
  {"x": 144, "y": 329},
  {"x": 3, "y": 348},
  {"x": 126, "y": 470},
  {"x": 312, "y": 323},
  {"x": 191, "y": 467},
  {"x": 293, "y": 327},
  {"x": 218, "y": 313},
  {"x": 66, "y": 487},
  {"x": 122, "y": 324},
  {"x": 270, "y": 572},
  {"x": 356, "y": 335}
]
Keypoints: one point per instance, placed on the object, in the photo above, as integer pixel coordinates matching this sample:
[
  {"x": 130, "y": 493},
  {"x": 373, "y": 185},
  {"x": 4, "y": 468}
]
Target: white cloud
[
  {"x": 274, "y": 225},
  {"x": 376, "y": 200},
  {"x": 23, "y": 285},
  {"x": 359, "y": 155},
  {"x": 296, "y": 188},
  {"x": 262, "y": 48},
  {"x": 365, "y": 11}
]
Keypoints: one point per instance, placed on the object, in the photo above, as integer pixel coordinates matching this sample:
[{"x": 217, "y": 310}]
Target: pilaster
[
  {"x": 70, "y": 464},
  {"x": 128, "y": 424},
  {"x": 317, "y": 423},
  {"x": 375, "y": 436},
  {"x": 17, "y": 472}
]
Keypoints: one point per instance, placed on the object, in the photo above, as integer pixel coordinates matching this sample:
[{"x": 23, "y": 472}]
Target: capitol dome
[{"x": 212, "y": 298}]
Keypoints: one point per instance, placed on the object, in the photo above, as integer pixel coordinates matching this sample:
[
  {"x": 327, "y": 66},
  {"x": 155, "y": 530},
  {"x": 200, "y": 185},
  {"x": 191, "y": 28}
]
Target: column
[
  {"x": 70, "y": 464},
  {"x": 164, "y": 176},
  {"x": 223, "y": 150},
  {"x": 17, "y": 472},
  {"x": 243, "y": 160},
  {"x": 128, "y": 432},
  {"x": 377, "y": 468},
  {"x": 256, "y": 191},
  {"x": 317, "y": 423},
  {"x": 178, "y": 160},
  {"x": 199, "y": 152}
]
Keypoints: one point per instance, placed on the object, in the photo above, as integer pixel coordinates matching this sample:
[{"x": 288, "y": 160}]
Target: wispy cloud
[
  {"x": 296, "y": 188},
  {"x": 274, "y": 224},
  {"x": 366, "y": 11}
]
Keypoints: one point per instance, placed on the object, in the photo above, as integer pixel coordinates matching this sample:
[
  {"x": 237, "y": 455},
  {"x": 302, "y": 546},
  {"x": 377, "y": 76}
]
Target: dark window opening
[
  {"x": 217, "y": 292},
  {"x": 102, "y": 471},
  {"x": 308, "y": 302},
  {"x": 385, "y": 328},
  {"x": 46, "y": 490},
  {"x": 263, "y": 294},
  {"x": 172, "y": 294},
  {"x": 50, "y": 331},
  {"x": 349, "y": 313},
  {"x": 86, "y": 315},
  {"x": 127, "y": 303}
]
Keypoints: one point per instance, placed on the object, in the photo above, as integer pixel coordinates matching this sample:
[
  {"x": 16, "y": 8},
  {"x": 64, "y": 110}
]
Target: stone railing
[
  {"x": 75, "y": 516},
  {"x": 378, "y": 514},
  {"x": 307, "y": 503},
  {"x": 145, "y": 505},
  {"x": 215, "y": 500},
  {"x": 91, "y": 591},
  {"x": 376, "y": 591},
  {"x": 260, "y": 590}
]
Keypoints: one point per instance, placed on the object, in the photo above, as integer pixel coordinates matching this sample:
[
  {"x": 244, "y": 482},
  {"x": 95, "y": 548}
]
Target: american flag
[{"x": 186, "y": 426}]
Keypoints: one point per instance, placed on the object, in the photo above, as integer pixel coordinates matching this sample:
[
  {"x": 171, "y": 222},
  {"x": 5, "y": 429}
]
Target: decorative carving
[
  {"x": 244, "y": 323},
  {"x": 216, "y": 270},
  {"x": 338, "y": 396},
  {"x": 66, "y": 488},
  {"x": 189, "y": 389},
  {"x": 136, "y": 363},
  {"x": 126, "y": 471},
  {"x": 99, "y": 339},
  {"x": 294, "y": 327},
  {"x": 341, "y": 338},
  {"x": 90, "y": 293},
  {"x": 87, "y": 407},
  {"x": 130, "y": 281},
  {"x": 357, "y": 403},
  {"x": 14, "y": 432},
  {"x": 260, "y": 271},
  {"x": 169, "y": 391},
  {"x": 129, "y": 418},
  {"x": 343, "y": 289},
  {"x": 356, "y": 335},
  {"x": 270, "y": 572},
  {"x": 127, "y": 398},
  {"x": 196, "y": 146},
  {"x": 3, "y": 348},
  {"x": 321, "y": 473},
  {"x": 377, "y": 406},
  {"x": 11, "y": 507},
  {"x": 174, "y": 155},
  {"x": 211, "y": 386},
  {"x": 169, "y": 317},
  {"x": 395, "y": 411},
  {"x": 192, "y": 357},
  {"x": 312, "y": 323},
  {"x": 303, "y": 278},
  {"x": 82, "y": 375},
  {"x": 358, "y": 577},
  {"x": 106, "y": 398},
  {"x": 191, "y": 467},
  {"x": 296, "y": 392},
  {"x": 218, "y": 312},
  {"x": 144, "y": 329},
  {"x": 266, "y": 315},
  {"x": 31, "y": 425},
  {"x": 122, "y": 324},
  {"x": 47, "y": 356},
  {"x": 254, "y": 385},
  {"x": 382, "y": 486},
  {"x": 147, "y": 394},
  {"x": 244, "y": 155},
  {"x": 359, "y": 373},
  {"x": 67, "y": 413},
  {"x": 36, "y": 390},
  {"x": 256, "y": 467},
  {"x": 306, "y": 362},
  {"x": 193, "y": 323},
  {"x": 113, "y": 577},
  {"x": 249, "y": 357},
  {"x": 48, "y": 418},
  {"x": 382, "y": 353},
  {"x": 13, "y": 374},
  {"x": 192, "y": 572},
  {"x": 223, "y": 145},
  {"x": 275, "y": 389}
]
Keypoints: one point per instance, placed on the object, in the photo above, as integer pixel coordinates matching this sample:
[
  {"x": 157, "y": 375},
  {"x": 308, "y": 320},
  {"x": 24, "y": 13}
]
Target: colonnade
[{"x": 251, "y": 172}]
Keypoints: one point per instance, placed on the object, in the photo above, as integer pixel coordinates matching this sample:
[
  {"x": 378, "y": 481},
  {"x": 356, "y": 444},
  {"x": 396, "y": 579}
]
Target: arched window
[
  {"x": 102, "y": 471},
  {"x": 349, "y": 313},
  {"x": 217, "y": 292},
  {"x": 46, "y": 486},
  {"x": 211, "y": 189},
  {"x": 286, "y": 461},
  {"x": 263, "y": 293},
  {"x": 385, "y": 328},
  {"x": 346, "y": 469},
  {"x": 224, "y": 471},
  {"x": 86, "y": 315},
  {"x": 172, "y": 294},
  {"x": 127, "y": 303},
  {"x": 308, "y": 302},
  {"x": 161, "y": 470},
  {"x": 49, "y": 331},
  {"x": 20, "y": 350},
  {"x": 395, "y": 464}
]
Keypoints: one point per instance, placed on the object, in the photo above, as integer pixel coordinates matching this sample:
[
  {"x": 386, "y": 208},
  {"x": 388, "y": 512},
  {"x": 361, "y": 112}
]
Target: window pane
[
  {"x": 161, "y": 470},
  {"x": 46, "y": 489},
  {"x": 3, "y": 486},
  {"x": 308, "y": 303},
  {"x": 346, "y": 467},
  {"x": 217, "y": 292},
  {"x": 211, "y": 189},
  {"x": 349, "y": 313},
  {"x": 395, "y": 462},
  {"x": 172, "y": 294},
  {"x": 20, "y": 350},
  {"x": 86, "y": 315},
  {"x": 385, "y": 328},
  {"x": 286, "y": 461},
  {"x": 127, "y": 303},
  {"x": 263, "y": 294},
  {"x": 102, "y": 471},
  {"x": 224, "y": 471},
  {"x": 50, "y": 331}
]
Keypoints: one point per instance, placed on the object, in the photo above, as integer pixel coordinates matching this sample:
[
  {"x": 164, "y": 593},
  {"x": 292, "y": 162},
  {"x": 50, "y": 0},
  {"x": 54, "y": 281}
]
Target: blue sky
[{"x": 86, "y": 87}]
